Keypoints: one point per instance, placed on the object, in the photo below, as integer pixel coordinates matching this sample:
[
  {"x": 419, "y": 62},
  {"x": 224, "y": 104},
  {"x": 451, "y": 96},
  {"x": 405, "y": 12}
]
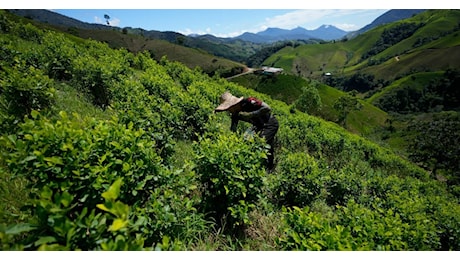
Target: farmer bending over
[{"x": 256, "y": 112}]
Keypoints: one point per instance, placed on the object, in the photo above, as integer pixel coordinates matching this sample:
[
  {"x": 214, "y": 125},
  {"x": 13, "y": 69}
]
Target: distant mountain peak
[{"x": 324, "y": 32}]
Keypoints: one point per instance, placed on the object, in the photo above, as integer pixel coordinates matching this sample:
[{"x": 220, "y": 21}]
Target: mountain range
[{"x": 324, "y": 32}]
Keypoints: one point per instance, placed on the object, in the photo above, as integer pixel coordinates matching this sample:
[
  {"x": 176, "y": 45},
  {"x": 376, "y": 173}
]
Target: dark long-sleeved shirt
[{"x": 259, "y": 113}]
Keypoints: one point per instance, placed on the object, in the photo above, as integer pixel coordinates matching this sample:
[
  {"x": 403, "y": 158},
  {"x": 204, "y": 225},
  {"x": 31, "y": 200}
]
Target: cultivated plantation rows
[{"x": 103, "y": 149}]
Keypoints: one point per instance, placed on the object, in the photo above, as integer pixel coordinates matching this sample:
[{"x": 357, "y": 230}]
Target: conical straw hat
[{"x": 227, "y": 100}]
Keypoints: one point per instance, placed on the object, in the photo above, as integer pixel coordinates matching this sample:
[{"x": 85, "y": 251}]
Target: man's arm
[
  {"x": 263, "y": 110},
  {"x": 235, "y": 119}
]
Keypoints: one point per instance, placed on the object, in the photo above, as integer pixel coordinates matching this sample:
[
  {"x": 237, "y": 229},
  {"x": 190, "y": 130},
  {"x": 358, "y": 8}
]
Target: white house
[{"x": 271, "y": 70}]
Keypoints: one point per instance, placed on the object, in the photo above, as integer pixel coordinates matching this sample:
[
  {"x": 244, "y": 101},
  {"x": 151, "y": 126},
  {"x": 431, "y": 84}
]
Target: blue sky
[{"x": 228, "y": 18}]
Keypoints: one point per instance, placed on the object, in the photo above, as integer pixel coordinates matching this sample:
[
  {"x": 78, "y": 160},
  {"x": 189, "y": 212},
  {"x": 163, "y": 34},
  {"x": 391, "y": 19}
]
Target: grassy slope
[
  {"x": 363, "y": 122},
  {"x": 283, "y": 87},
  {"x": 328, "y": 57},
  {"x": 430, "y": 59}
]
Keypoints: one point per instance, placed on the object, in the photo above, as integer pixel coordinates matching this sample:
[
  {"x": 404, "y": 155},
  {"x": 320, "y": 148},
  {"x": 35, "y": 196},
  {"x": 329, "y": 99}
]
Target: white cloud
[
  {"x": 347, "y": 26},
  {"x": 189, "y": 31},
  {"x": 115, "y": 22},
  {"x": 98, "y": 20},
  {"x": 296, "y": 18},
  {"x": 208, "y": 30},
  {"x": 346, "y": 19},
  {"x": 231, "y": 34}
]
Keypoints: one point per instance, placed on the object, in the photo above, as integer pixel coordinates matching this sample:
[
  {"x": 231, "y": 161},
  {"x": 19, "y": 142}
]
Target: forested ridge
[{"x": 103, "y": 149}]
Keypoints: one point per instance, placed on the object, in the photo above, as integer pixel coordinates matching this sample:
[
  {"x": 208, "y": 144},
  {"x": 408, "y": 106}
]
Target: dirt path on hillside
[{"x": 248, "y": 71}]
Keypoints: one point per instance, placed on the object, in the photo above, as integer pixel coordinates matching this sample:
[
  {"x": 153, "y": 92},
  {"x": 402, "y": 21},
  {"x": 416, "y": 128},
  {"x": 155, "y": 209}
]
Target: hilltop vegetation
[{"x": 103, "y": 149}]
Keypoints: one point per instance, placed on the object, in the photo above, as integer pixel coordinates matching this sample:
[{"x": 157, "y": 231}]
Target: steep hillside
[
  {"x": 388, "y": 17},
  {"x": 53, "y": 18},
  {"x": 137, "y": 41},
  {"x": 104, "y": 149},
  {"x": 285, "y": 88},
  {"x": 365, "y": 121},
  {"x": 159, "y": 48}
]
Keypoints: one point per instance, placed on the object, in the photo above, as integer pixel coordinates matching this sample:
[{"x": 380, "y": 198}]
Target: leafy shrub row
[
  {"x": 73, "y": 165},
  {"x": 23, "y": 89},
  {"x": 375, "y": 213}
]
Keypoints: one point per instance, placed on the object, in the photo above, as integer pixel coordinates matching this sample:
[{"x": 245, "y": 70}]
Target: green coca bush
[{"x": 231, "y": 173}]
